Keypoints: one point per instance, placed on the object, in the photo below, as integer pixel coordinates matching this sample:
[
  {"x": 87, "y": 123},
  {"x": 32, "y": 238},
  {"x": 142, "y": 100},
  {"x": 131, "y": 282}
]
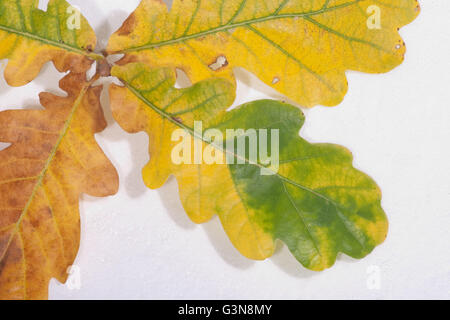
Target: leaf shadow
[
  {"x": 109, "y": 26},
  {"x": 224, "y": 247},
  {"x": 284, "y": 260},
  {"x": 4, "y": 87},
  {"x": 170, "y": 197},
  {"x": 136, "y": 143},
  {"x": 46, "y": 81},
  {"x": 168, "y": 193},
  {"x": 48, "y": 78},
  {"x": 138, "y": 148}
]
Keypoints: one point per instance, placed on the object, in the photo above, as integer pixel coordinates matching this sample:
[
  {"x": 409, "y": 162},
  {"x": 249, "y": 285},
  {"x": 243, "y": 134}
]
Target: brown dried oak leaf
[{"x": 52, "y": 159}]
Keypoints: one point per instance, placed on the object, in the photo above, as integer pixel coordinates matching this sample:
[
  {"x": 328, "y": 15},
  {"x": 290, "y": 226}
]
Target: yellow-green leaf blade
[
  {"x": 316, "y": 203},
  {"x": 301, "y": 48},
  {"x": 30, "y": 37}
]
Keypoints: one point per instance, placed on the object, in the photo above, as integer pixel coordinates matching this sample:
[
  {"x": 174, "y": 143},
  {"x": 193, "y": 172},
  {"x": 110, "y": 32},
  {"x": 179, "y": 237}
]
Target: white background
[{"x": 139, "y": 244}]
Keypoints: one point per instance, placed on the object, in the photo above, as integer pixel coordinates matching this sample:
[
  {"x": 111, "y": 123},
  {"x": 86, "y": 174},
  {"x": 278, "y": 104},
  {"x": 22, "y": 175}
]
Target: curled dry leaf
[
  {"x": 302, "y": 48},
  {"x": 53, "y": 158},
  {"x": 30, "y": 37},
  {"x": 316, "y": 203}
]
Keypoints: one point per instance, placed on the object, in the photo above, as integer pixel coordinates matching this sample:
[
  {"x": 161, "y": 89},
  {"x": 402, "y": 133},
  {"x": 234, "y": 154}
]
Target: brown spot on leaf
[
  {"x": 103, "y": 68},
  {"x": 128, "y": 26},
  {"x": 177, "y": 120},
  {"x": 127, "y": 59}
]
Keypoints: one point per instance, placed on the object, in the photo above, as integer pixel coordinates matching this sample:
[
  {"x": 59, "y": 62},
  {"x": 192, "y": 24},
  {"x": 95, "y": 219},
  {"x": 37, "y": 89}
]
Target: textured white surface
[{"x": 140, "y": 244}]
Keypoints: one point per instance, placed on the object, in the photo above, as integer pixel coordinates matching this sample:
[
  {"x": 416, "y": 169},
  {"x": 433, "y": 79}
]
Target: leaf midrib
[
  {"x": 169, "y": 117},
  {"x": 50, "y": 42},
  {"x": 44, "y": 171},
  {"x": 231, "y": 26}
]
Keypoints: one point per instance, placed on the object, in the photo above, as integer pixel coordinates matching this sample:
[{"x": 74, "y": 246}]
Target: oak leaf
[
  {"x": 30, "y": 37},
  {"x": 302, "y": 48},
  {"x": 316, "y": 202},
  {"x": 52, "y": 159}
]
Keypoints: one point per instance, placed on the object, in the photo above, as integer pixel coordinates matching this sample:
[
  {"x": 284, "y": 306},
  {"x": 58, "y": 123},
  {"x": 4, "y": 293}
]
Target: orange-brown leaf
[{"x": 53, "y": 158}]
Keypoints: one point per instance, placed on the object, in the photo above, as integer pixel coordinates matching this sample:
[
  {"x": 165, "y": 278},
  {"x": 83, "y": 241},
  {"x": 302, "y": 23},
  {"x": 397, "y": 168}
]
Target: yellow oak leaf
[{"x": 302, "y": 48}]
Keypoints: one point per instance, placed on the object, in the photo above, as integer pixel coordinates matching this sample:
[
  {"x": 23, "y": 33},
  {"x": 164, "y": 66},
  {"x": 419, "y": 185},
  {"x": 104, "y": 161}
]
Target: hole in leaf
[
  {"x": 221, "y": 62},
  {"x": 168, "y": 3},
  {"x": 4, "y": 145},
  {"x": 43, "y": 5},
  {"x": 113, "y": 58},
  {"x": 183, "y": 80},
  {"x": 91, "y": 72}
]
